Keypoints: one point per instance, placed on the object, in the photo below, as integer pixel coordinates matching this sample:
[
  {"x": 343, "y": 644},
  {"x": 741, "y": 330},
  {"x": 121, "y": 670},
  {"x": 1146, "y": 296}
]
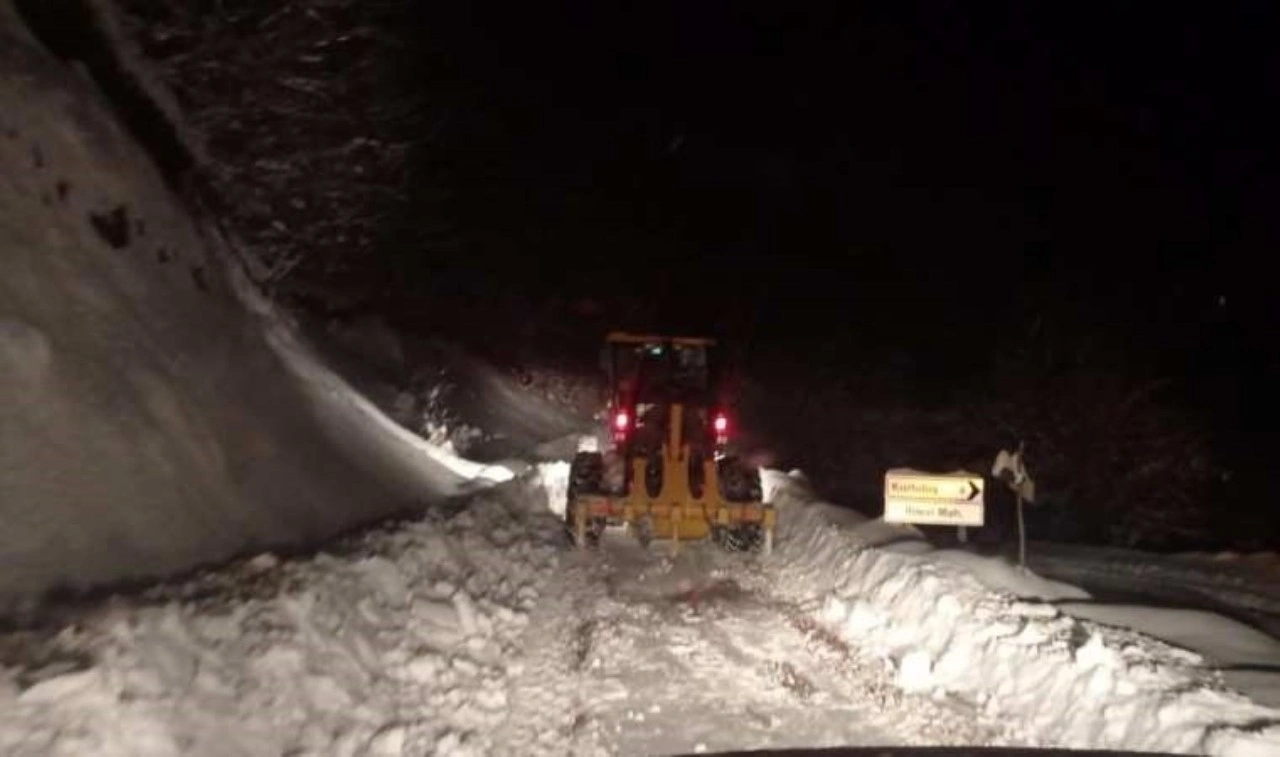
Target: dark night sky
[{"x": 890, "y": 165}]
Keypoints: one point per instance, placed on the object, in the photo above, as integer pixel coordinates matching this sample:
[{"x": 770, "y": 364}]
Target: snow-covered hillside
[{"x": 148, "y": 422}]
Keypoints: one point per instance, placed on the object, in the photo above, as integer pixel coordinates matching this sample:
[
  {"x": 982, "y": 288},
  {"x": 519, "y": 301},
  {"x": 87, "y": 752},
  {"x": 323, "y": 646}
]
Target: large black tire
[
  {"x": 586, "y": 476},
  {"x": 739, "y": 482},
  {"x": 653, "y": 472},
  {"x": 697, "y": 482},
  {"x": 746, "y": 538}
]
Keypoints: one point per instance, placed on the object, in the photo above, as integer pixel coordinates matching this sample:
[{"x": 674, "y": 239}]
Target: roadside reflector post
[
  {"x": 1022, "y": 537},
  {"x": 768, "y": 541}
]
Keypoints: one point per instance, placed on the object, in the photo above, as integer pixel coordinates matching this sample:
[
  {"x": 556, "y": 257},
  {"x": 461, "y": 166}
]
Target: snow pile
[
  {"x": 555, "y": 482},
  {"x": 397, "y": 452},
  {"x": 1064, "y": 682},
  {"x": 447, "y": 394},
  {"x": 402, "y": 644}
]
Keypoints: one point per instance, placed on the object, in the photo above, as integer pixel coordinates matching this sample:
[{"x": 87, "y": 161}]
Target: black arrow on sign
[{"x": 973, "y": 491}]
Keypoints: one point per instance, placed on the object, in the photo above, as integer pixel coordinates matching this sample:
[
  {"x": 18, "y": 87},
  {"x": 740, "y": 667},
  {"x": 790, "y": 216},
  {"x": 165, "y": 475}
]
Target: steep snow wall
[{"x": 147, "y": 422}]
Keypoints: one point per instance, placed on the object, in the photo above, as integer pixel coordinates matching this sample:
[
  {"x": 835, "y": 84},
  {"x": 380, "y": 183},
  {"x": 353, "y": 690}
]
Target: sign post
[
  {"x": 948, "y": 499},
  {"x": 1012, "y": 469}
]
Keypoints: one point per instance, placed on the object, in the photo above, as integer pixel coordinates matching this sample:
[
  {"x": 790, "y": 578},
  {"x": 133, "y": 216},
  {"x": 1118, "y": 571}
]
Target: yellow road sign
[{"x": 946, "y": 499}]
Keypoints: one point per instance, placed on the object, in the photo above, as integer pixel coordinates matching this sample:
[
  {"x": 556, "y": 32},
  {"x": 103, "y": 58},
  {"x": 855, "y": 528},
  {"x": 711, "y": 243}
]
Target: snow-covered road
[
  {"x": 639, "y": 652},
  {"x": 472, "y": 631},
  {"x": 476, "y": 630}
]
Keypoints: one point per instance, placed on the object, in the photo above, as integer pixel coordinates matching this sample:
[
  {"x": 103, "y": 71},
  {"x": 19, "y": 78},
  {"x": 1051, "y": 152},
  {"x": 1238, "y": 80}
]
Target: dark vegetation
[
  {"x": 894, "y": 293},
  {"x": 1122, "y": 452},
  {"x": 308, "y": 119}
]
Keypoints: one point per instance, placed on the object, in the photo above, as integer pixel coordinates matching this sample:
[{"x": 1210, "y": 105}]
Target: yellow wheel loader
[{"x": 669, "y": 473}]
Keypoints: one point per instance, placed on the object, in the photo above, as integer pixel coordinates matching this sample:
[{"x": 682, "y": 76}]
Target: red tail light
[
  {"x": 621, "y": 421},
  {"x": 721, "y": 424}
]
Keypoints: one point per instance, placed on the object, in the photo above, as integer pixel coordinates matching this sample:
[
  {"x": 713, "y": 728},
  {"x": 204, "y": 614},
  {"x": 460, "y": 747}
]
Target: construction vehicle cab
[{"x": 670, "y": 473}]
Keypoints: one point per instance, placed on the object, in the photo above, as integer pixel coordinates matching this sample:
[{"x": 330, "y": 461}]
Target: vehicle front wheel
[{"x": 586, "y": 476}]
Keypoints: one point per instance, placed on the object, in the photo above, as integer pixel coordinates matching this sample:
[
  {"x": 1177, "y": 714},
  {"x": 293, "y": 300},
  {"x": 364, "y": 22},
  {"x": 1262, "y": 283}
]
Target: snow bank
[
  {"x": 403, "y": 643},
  {"x": 1065, "y": 682},
  {"x": 1249, "y": 659},
  {"x": 365, "y": 430},
  {"x": 997, "y": 576}
]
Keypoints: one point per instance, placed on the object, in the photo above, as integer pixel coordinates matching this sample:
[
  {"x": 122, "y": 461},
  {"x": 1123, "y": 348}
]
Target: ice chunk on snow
[
  {"x": 424, "y": 668},
  {"x": 453, "y": 744},
  {"x": 261, "y": 563},
  {"x": 438, "y": 622},
  {"x": 492, "y": 699},
  {"x": 388, "y": 741},
  {"x": 915, "y": 672},
  {"x": 385, "y": 579},
  {"x": 1094, "y": 653},
  {"x": 61, "y": 688},
  {"x": 325, "y": 694}
]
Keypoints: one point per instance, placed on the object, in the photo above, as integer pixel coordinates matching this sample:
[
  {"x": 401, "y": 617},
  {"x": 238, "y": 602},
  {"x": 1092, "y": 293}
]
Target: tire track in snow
[
  {"x": 661, "y": 655},
  {"x": 546, "y": 716}
]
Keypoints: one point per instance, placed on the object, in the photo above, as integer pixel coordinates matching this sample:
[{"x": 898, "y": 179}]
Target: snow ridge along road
[{"x": 1058, "y": 680}]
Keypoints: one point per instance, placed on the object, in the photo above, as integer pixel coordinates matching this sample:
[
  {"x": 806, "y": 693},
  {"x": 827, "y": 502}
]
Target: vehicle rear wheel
[
  {"x": 697, "y": 480},
  {"x": 586, "y": 476},
  {"x": 746, "y": 538},
  {"x": 739, "y": 482},
  {"x": 653, "y": 475}
]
